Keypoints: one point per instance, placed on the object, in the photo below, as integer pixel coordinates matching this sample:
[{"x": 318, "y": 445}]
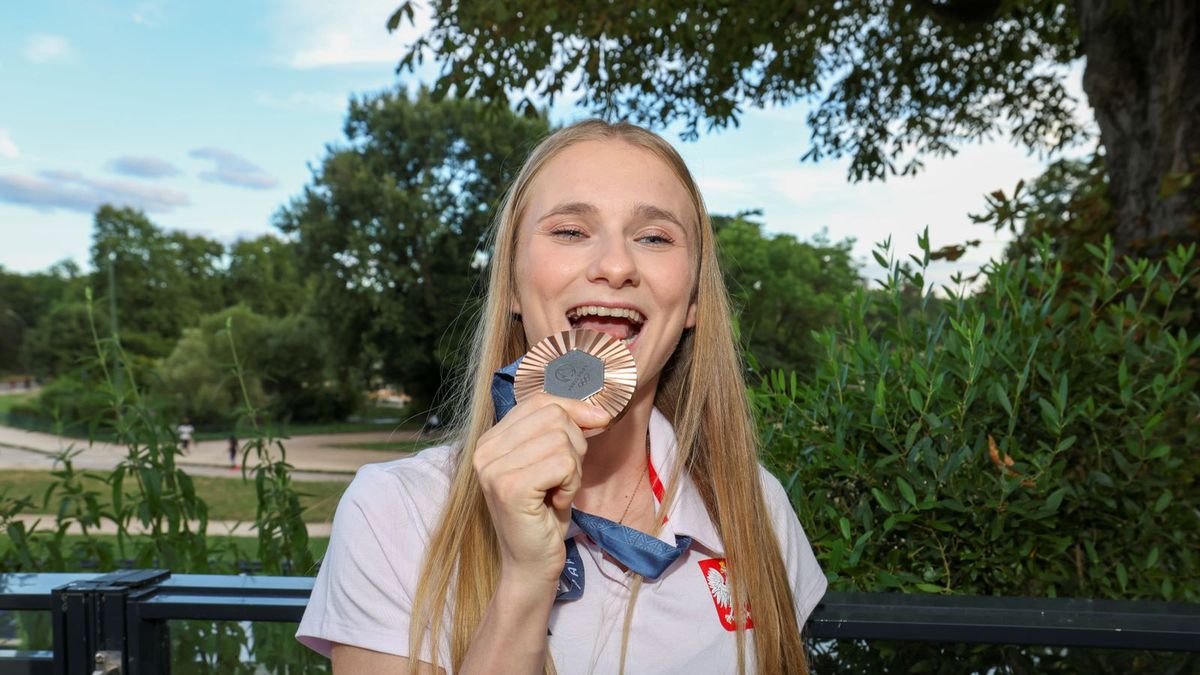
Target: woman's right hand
[{"x": 530, "y": 467}]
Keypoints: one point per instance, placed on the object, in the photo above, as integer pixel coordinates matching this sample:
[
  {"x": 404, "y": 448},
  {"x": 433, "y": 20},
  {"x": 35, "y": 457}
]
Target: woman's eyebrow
[
  {"x": 652, "y": 212},
  {"x": 571, "y": 209},
  {"x": 641, "y": 211}
]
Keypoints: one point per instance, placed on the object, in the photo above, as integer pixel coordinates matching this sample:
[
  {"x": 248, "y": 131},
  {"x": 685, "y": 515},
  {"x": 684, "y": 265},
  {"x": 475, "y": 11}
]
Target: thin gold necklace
[{"x": 641, "y": 479}]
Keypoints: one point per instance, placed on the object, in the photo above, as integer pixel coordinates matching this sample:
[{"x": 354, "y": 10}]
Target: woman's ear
[
  {"x": 691, "y": 316},
  {"x": 515, "y": 304}
]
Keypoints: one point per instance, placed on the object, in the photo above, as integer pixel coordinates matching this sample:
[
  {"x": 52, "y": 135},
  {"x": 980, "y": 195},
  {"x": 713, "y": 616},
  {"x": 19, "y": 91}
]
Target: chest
[{"x": 679, "y": 622}]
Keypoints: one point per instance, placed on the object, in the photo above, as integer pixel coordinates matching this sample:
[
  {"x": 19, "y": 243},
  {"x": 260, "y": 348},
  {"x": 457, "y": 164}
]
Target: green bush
[
  {"x": 149, "y": 489},
  {"x": 1036, "y": 438}
]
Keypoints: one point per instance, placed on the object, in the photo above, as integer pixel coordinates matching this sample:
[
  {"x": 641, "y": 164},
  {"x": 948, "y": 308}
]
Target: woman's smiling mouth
[{"x": 622, "y": 323}]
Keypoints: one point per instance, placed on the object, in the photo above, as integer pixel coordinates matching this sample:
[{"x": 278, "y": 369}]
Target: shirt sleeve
[
  {"x": 808, "y": 581},
  {"x": 363, "y": 595}
]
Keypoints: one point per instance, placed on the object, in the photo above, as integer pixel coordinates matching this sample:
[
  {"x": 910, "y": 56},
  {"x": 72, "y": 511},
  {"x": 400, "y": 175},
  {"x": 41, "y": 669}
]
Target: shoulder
[
  {"x": 429, "y": 470},
  {"x": 397, "y": 500},
  {"x": 368, "y": 579}
]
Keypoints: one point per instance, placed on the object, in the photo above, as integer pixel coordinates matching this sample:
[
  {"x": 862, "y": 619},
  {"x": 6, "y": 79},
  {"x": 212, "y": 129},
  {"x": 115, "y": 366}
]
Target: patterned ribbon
[{"x": 636, "y": 550}]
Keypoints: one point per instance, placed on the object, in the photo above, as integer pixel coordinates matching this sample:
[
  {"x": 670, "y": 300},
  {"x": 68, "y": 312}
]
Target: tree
[
  {"x": 263, "y": 274},
  {"x": 164, "y": 281},
  {"x": 783, "y": 289},
  {"x": 392, "y": 229},
  {"x": 894, "y": 81},
  {"x": 62, "y": 341},
  {"x": 283, "y": 362},
  {"x": 24, "y": 300}
]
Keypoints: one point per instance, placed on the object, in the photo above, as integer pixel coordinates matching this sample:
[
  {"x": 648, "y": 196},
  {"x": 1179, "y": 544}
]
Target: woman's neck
[{"x": 616, "y": 458}]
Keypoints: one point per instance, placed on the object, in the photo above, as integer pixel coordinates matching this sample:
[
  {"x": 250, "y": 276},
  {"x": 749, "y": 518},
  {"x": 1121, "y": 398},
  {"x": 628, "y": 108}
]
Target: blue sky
[{"x": 208, "y": 116}]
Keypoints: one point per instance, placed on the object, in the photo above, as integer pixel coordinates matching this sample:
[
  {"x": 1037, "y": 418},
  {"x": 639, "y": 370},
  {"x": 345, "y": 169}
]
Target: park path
[{"x": 314, "y": 457}]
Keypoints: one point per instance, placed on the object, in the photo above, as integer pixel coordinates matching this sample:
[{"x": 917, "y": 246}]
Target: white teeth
[{"x": 595, "y": 310}]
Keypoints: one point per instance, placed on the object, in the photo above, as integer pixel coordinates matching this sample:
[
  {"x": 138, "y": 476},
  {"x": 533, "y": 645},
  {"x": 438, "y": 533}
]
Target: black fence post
[{"x": 92, "y": 626}]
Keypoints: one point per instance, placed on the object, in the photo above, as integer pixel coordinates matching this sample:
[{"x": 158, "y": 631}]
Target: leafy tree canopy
[
  {"x": 164, "y": 281},
  {"x": 892, "y": 81},
  {"x": 783, "y": 289},
  {"x": 392, "y": 227}
]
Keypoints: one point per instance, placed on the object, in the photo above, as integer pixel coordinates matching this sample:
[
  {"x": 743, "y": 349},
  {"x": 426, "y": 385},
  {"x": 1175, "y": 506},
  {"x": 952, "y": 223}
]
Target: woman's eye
[
  {"x": 568, "y": 232},
  {"x": 656, "y": 239}
]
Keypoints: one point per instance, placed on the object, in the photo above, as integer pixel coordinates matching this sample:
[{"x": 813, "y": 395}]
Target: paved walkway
[{"x": 314, "y": 457}]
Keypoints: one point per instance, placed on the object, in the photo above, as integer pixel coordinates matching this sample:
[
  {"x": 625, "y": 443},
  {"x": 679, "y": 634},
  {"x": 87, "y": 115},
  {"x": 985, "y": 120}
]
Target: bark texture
[{"x": 1143, "y": 79}]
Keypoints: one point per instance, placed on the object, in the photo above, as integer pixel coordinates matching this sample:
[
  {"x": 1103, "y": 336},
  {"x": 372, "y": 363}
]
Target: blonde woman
[{"x": 470, "y": 558}]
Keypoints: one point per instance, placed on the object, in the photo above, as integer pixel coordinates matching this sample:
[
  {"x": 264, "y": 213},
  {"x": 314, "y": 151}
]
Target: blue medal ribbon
[{"x": 636, "y": 550}]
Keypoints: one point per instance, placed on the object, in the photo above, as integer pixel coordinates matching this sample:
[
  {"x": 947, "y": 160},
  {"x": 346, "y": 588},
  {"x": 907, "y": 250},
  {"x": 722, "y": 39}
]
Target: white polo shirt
[{"x": 364, "y": 592}]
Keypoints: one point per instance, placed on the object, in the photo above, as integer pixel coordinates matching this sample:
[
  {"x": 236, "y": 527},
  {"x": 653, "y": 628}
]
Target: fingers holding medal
[{"x": 570, "y": 385}]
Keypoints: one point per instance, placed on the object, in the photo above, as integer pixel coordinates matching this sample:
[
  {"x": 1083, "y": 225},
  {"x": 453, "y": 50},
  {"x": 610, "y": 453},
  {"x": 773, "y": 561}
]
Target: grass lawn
[
  {"x": 246, "y": 546},
  {"x": 7, "y": 401},
  {"x": 388, "y": 446},
  {"x": 227, "y": 498}
]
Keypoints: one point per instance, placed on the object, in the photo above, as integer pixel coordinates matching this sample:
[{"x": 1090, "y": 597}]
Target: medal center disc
[{"x": 575, "y": 374}]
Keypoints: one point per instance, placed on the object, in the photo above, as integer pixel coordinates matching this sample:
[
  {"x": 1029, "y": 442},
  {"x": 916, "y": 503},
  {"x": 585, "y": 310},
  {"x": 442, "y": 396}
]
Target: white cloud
[
  {"x": 8, "y": 149},
  {"x": 144, "y": 167},
  {"x": 231, "y": 168},
  {"x": 73, "y": 191},
  {"x": 45, "y": 48},
  {"x": 149, "y": 14},
  {"x": 810, "y": 198},
  {"x": 315, "y": 33}
]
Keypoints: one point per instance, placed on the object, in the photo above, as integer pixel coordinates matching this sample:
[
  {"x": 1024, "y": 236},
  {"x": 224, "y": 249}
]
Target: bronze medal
[{"x": 585, "y": 365}]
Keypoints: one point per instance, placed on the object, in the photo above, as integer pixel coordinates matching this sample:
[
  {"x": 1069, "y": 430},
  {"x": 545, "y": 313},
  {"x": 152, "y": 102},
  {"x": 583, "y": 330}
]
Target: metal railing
[{"x": 115, "y": 624}]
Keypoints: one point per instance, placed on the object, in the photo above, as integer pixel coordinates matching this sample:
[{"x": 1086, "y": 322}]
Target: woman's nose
[{"x": 614, "y": 264}]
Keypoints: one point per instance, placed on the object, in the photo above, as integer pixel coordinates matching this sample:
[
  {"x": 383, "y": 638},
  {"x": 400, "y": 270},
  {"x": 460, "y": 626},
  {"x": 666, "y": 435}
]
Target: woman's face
[{"x": 605, "y": 243}]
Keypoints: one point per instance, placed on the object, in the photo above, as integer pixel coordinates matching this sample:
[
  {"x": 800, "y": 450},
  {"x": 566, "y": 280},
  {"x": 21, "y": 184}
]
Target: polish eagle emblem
[{"x": 718, "y": 587}]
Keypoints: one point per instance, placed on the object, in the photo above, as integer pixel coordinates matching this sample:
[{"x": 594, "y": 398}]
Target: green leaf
[
  {"x": 906, "y": 491},
  {"x": 1159, "y": 451},
  {"x": 845, "y": 525},
  {"x": 1122, "y": 576},
  {"x": 930, "y": 588},
  {"x": 1055, "y": 499},
  {"x": 1001, "y": 397},
  {"x": 1163, "y": 501},
  {"x": 884, "y": 500},
  {"x": 1152, "y": 557},
  {"x": 914, "y": 398},
  {"x": 1049, "y": 414}
]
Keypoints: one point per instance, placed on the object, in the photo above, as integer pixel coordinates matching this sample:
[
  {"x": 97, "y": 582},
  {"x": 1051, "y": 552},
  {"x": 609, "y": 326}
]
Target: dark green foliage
[
  {"x": 24, "y": 299},
  {"x": 783, "y": 289},
  {"x": 893, "y": 81},
  {"x": 163, "y": 281},
  {"x": 60, "y": 339},
  {"x": 149, "y": 492},
  {"x": 1034, "y": 439},
  {"x": 901, "y": 658},
  {"x": 284, "y": 370},
  {"x": 392, "y": 229},
  {"x": 263, "y": 275}
]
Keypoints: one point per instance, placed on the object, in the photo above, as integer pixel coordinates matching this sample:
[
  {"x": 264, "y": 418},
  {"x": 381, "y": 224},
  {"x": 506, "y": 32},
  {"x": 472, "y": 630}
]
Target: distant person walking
[
  {"x": 233, "y": 450},
  {"x": 185, "y": 432}
]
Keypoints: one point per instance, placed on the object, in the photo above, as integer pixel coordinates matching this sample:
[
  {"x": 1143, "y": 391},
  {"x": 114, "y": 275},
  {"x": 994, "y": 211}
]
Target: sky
[{"x": 209, "y": 116}]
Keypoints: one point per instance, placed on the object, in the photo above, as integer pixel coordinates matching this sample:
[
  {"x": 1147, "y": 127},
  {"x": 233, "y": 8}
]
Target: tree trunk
[{"x": 1143, "y": 80}]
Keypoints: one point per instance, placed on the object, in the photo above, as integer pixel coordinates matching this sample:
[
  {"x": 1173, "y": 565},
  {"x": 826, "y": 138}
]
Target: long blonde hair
[{"x": 713, "y": 425}]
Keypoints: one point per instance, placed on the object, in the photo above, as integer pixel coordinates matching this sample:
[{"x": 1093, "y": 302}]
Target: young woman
[{"x": 450, "y": 560}]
